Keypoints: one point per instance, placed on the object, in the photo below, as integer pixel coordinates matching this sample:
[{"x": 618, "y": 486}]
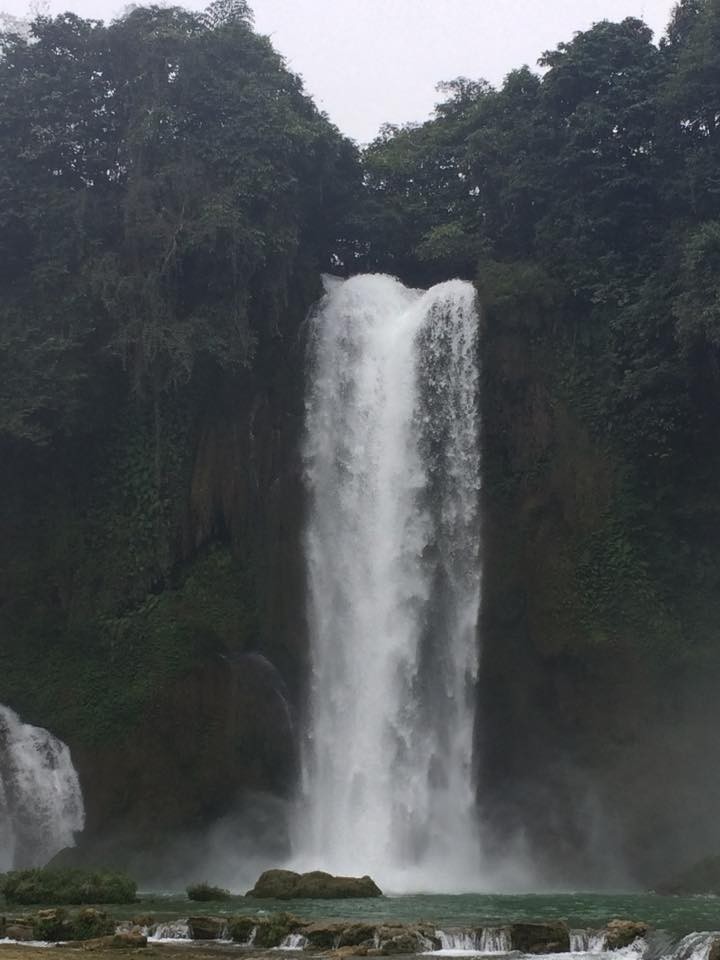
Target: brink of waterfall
[
  {"x": 392, "y": 462},
  {"x": 41, "y": 804}
]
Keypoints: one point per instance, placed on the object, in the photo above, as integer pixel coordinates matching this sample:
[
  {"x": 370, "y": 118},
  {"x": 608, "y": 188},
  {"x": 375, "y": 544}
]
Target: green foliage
[
  {"x": 153, "y": 217},
  {"x": 205, "y": 892},
  {"x": 168, "y": 198},
  {"x": 68, "y": 886},
  {"x": 58, "y": 925},
  {"x": 585, "y": 203}
]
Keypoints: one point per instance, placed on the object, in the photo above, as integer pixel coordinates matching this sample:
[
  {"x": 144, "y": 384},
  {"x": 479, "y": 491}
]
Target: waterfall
[
  {"x": 41, "y": 805},
  {"x": 392, "y": 544}
]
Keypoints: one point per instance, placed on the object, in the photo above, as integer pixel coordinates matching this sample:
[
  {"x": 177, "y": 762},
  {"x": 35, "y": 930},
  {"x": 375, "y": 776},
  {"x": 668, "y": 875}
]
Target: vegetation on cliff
[
  {"x": 168, "y": 199},
  {"x": 169, "y": 196}
]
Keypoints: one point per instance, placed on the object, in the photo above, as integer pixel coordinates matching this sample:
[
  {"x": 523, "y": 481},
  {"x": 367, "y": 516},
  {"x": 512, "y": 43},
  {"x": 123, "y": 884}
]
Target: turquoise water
[{"x": 677, "y": 915}]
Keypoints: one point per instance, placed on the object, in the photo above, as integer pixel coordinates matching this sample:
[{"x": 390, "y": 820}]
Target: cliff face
[
  {"x": 595, "y": 708},
  {"x": 151, "y": 608}
]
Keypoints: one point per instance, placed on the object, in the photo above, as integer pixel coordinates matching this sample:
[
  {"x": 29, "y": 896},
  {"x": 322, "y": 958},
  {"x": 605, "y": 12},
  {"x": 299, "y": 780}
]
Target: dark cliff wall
[
  {"x": 596, "y": 711},
  {"x": 168, "y": 651}
]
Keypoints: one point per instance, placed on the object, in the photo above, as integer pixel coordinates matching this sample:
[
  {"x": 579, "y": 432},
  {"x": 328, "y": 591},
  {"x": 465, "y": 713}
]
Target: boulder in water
[
  {"x": 354, "y": 934},
  {"x": 207, "y": 928},
  {"x": 241, "y": 928},
  {"x": 22, "y": 932},
  {"x": 326, "y": 934},
  {"x": 621, "y": 933},
  {"x": 552, "y": 937},
  {"x": 403, "y": 943},
  {"x": 316, "y": 885}
]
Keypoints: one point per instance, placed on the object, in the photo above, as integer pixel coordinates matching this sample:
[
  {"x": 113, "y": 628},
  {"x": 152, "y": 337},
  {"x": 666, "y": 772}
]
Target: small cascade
[
  {"x": 466, "y": 940},
  {"x": 587, "y": 941},
  {"x": 695, "y": 946},
  {"x": 129, "y": 926},
  {"x": 293, "y": 941},
  {"x": 172, "y": 930},
  {"x": 495, "y": 940},
  {"x": 484, "y": 940},
  {"x": 41, "y": 805}
]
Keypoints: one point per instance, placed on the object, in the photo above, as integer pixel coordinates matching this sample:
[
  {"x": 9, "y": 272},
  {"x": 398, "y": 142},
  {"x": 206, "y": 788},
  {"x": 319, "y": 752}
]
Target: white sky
[{"x": 367, "y": 62}]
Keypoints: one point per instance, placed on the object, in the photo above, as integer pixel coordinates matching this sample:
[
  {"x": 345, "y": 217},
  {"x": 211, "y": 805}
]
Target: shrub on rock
[{"x": 201, "y": 892}]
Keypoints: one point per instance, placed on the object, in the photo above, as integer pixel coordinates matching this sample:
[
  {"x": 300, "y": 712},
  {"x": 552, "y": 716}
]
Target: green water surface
[{"x": 677, "y": 915}]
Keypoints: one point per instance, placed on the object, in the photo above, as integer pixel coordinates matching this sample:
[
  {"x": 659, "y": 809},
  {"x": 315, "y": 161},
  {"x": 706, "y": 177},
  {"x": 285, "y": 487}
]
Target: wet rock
[
  {"x": 207, "y": 928},
  {"x": 271, "y": 931},
  {"x": 714, "y": 951},
  {"x": 621, "y": 933},
  {"x": 355, "y": 934},
  {"x": 551, "y": 937},
  {"x": 275, "y": 885},
  {"x": 326, "y": 935},
  {"x": 404, "y": 943},
  {"x": 241, "y": 928},
  {"x": 287, "y": 885},
  {"x": 120, "y": 941},
  {"x": 19, "y": 931}
]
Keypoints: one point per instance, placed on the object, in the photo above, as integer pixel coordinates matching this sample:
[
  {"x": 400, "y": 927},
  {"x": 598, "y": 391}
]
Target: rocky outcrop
[
  {"x": 621, "y": 933},
  {"x": 23, "y": 932},
  {"x": 207, "y": 928},
  {"x": 58, "y": 925},
  {"x": 551, "y": 937},
  {"x": 316, "y": 885}
]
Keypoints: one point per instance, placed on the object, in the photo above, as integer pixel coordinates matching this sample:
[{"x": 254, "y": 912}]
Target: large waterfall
[
  {"x": 41, "y": 806},
  {"x": 392, "y": 464}
]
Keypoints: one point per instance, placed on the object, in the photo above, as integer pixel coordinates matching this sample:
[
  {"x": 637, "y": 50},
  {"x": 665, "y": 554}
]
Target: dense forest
[{"x": 169, "y": 200}]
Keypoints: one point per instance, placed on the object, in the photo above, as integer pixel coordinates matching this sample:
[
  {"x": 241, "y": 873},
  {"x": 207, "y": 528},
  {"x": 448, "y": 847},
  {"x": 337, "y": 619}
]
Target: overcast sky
[{"x": 368, "y": 62}]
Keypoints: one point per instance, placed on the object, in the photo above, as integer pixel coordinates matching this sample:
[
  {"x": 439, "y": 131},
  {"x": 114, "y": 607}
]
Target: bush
[
  {"x": 86, "y": 924},
  {"x": 73, "y": 886},
  {"x": 204, "y": 891}
]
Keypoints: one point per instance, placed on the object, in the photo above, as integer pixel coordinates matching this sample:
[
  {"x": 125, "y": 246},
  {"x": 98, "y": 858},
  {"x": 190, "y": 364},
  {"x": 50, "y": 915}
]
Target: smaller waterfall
[
  {"x": 293, "y": 941},
  {"x": 485, "y": 940},
  {"x": 587, "y": 941},
  {"x": 173, "y": 930},
  {"x": 695, "y": 946},
  {"x": 41, "y": 805}
]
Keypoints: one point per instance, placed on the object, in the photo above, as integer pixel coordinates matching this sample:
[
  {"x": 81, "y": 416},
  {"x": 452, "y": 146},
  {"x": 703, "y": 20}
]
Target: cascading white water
[
  {"x": 41, "y": 806},
  {"x": 393, "y": 470}
]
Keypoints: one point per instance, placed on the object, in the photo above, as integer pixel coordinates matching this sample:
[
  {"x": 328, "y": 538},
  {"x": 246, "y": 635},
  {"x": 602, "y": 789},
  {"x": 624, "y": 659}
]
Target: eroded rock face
[
  {"x": 540, "y": 937},
  {"x": 207, "y": 928},
  {"x": 621, "y": 933},
  {"x": 714, "y": 951},
  {"x": 288, "y": 885}
]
